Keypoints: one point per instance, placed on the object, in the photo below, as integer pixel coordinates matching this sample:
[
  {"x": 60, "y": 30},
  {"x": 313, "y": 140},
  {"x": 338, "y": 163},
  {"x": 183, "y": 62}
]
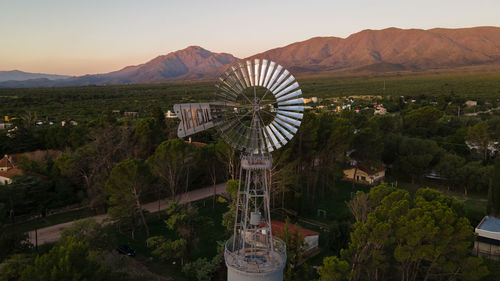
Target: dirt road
[{"x": 52, "y": 233}]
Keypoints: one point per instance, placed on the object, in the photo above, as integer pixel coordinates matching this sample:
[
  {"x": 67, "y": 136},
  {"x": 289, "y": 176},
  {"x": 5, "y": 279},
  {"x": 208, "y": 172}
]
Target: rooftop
[
  {"x": 279, "y": 226},
  {"x": 5, "y": 162},
  {"x": 12, "y": 172},
  {"x": 490, "y": 224}
]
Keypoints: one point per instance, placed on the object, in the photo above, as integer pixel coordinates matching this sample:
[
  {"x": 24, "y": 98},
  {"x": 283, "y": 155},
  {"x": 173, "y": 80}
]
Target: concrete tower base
[
  {"x": 255, "y": 263},
  {"x": 237, "y": 275}
]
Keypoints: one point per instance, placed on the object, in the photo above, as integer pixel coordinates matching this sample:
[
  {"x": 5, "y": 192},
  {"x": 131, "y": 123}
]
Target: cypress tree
[{"x": 494, "y": 191}]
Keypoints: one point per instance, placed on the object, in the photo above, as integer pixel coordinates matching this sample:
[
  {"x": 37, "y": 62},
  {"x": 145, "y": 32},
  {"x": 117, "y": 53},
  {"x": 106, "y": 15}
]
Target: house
[
  {"x": 170, "y": 114},
  {"x": 471, "y": 103},
  {"x": 488, "y": 238},
  {"x": 6, "y": 163},
  {"x": 477, "y": 152},
  {"x": 71, "y": 122},
  {"x": 365, "y": 175},
  {"x": 379, "y": 109},
  {"x": 6, "y": 177},
  {"x": 4, "y": 126},
  {"x": 311, "y": 238},
  {"x": 132, "y": 114},
  {"x": 8, "y": 170}
]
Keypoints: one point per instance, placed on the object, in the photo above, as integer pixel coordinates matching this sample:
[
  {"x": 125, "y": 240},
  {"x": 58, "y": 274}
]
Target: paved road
[{"x": 51, "y": 234}]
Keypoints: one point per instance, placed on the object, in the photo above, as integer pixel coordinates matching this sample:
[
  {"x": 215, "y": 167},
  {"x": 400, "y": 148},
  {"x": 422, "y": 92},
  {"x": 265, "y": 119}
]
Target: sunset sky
[{"x": 83, "y": 37}]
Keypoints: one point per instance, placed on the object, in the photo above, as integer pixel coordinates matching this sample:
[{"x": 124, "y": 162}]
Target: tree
[
  {"x": 367, "y": 145},
  {"x": 127, "y": 181},
  {"x": 479, "y": 135},
  {"x": 13, "y": 243},
  {"x": 90, "y": 165},
  {"x": 228, "y": 155},
  {"x": 12, "y": 268},
  {"x": 295, "y": 268},
  {"x": 333, "y": 269},
  {"x": 450, "y": 166},
  {"x": 420, "y": 238},
  {"x": 185, "y": 220},
  {"x": 202, "y": 269},
  {"x": 166, "y": 249},
  {"x": 3, "y": 212},
  {"x": 413, "y": 156},
  {"x": 170, "y": 163},
  {"x": 422, "y": 121},
  {"x": 229, "y": 216},
  {"x": 86, "y": 230},
  {"x": 494, "y": 191},
  {"x": 147, "y": 136},
  {"x": 475, "y": 176},
  {"x": 207, "y": 159},
  {"x": 68, "y": 261},
  {"x": 159, "y": 116}
]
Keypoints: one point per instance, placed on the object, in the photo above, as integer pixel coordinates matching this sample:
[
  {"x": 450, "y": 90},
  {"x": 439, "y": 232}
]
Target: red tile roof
[
  {"x": 12, "y": 172},
  {"x": 4, "y": 162},
  {"x": 278, "y": 227}
]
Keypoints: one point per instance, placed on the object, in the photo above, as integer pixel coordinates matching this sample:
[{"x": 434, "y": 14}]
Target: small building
[
  {"x": 170, "y": 114},
  {"x": 379, "y": 109},
  {"x": 471, "y": 103},
  {"x": 132, "y": 114},
  {"x": 477, "y": 151},
  {"x": 6, "y": 163},
  {"x": 488, "y": 238},
  {"x": 6, "y": 177},
  {"x": 4, "y": 126},
  {"x": 364, "y": 175},
  {"x": 311, "y": 238},
  {"x": 71, "y": 122}
]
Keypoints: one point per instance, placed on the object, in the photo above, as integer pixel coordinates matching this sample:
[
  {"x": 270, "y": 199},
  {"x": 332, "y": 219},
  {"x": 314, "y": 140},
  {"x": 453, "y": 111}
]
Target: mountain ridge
[
  {"x": 385, "y": 50},
  {"x": 18, "y": 75}
]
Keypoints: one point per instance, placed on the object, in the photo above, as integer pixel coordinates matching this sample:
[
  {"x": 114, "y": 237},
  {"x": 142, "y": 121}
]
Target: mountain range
[
  {"x": 17, "y": 75},
  {"x": 390, "y": 49}
]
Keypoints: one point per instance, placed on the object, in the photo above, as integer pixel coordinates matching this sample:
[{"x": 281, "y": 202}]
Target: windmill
[{"x": 257, "y": 109}]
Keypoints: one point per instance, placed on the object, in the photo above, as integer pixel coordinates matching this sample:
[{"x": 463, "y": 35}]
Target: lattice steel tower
[{"x": 258, "y": 109}]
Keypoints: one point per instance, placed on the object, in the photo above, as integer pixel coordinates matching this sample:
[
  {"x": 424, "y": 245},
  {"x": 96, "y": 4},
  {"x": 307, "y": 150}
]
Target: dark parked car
[{"x": 125, "y": 250}]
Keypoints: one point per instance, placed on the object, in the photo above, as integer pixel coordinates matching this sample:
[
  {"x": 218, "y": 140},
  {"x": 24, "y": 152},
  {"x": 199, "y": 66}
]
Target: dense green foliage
[
  {"x": 494, "y": 191},
  {"x": 86, "y": 103},
  {"x": 421, "y": 238},
  {"x": 115, "y": 163}
]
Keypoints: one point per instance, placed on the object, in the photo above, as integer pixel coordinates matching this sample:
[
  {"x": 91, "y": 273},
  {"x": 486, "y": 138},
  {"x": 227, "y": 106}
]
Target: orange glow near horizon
[{"x": 88, "y": 37}]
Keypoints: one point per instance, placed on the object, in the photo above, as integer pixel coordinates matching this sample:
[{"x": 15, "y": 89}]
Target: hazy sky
[{"x": 78, "y": 37}]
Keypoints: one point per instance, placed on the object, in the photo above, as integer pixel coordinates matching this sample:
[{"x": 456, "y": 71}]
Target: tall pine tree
[{"x": 494, "y": 191}]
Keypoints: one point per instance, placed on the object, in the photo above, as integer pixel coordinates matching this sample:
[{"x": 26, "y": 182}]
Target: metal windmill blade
[{"x": 265, "y": 98}]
